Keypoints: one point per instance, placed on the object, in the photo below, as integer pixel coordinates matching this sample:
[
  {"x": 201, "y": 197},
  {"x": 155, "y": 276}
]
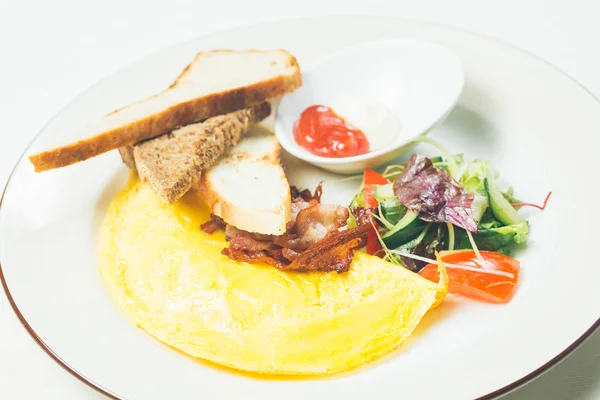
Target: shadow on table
[{"x": 575, "y": 378}]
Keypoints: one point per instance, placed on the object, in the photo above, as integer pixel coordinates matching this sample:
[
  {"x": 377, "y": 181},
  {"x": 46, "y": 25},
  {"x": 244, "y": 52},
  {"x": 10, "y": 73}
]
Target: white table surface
[{"x": 50, "y": 51}]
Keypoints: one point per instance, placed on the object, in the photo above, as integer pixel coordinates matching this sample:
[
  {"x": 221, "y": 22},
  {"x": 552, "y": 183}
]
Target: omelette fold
[{"x": 171, "y": 279}]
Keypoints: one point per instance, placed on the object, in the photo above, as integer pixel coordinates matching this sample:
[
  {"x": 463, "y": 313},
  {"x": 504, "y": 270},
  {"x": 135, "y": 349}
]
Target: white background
[{"x": 51, "y": 50}]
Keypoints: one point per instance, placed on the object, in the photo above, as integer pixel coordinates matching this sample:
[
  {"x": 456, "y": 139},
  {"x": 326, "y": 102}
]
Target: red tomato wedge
[
  {"x": 495, "y": 283},
  {"x": 372, "y": 179}
]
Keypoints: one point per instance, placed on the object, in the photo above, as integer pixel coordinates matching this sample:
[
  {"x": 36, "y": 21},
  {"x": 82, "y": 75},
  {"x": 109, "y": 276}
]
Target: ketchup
[{"x": 324, "y": 133}]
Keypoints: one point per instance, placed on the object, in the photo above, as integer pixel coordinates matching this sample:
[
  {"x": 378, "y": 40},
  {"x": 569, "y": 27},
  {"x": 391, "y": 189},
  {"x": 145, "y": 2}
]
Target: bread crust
[
  {"x": 127, "y": 157},
  {"x": 178, "y": 115}
]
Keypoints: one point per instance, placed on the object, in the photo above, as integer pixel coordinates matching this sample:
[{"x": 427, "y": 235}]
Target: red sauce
[{"x": 324, "y": 133}]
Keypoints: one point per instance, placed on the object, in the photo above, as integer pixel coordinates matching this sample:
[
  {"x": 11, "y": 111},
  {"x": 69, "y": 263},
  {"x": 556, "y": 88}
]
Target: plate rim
[{"x": 542, "y": 369}]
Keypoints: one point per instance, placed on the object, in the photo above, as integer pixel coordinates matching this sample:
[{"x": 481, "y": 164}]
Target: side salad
[{"x": 448, "y": 205}]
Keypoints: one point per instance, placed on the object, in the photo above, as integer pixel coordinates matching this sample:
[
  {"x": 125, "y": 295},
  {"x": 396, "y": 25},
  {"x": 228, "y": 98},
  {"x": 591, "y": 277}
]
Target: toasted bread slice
[
  {"x": 171, "y": 163},
  {"x": 214, "y": 83},
  {"x": 247, "y": 187}
]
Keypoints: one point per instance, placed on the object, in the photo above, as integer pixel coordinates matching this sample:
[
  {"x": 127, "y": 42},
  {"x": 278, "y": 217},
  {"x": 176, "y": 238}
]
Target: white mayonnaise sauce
[{"x": 379, "y": 124}]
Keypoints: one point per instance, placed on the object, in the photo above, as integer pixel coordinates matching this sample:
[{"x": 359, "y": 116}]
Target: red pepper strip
[
  {"x": 372, "y": 179},
  {"x": 373, "y": 245},
  {"x": 472, "y": 283},
  {"x": 533, "y": 205}
]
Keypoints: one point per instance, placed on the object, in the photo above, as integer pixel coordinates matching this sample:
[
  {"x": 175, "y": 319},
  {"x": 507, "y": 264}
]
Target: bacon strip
[
  {"x": 306, "y": 195},
  {"x": 334, "y": 253},
  {"x": 314, "y": 240},
  {"x": 214, "y": 224},
  {"x": 253, "y": 258}
]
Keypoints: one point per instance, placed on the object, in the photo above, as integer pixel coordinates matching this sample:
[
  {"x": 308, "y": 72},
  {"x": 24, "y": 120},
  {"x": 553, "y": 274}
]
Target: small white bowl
[{"x": 419, "y": 81}]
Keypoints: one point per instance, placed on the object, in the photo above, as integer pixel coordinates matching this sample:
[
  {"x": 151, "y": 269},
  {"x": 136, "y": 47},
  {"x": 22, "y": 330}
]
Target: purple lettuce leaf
[{"x": 433, "y": 194}]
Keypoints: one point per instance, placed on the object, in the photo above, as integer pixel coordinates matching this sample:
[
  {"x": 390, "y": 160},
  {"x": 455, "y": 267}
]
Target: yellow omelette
[{"x": 170, "y": 278}]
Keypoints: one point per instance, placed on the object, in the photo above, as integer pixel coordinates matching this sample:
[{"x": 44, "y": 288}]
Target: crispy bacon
[
  {"x": 314, "y": 241},
  {"x": 260, "y": 257},
  {"x": 334, "y": 253},
  {"x": 290, "y": 254},
  {"x": 314, "y": 223},
  {"x": 306, "y": 195},
  {"x": 298, "y": 204},
  {"x": 311, "y": 225},
  {"x": 251, "y": 245},
  {"x": 214, "y": 224}
]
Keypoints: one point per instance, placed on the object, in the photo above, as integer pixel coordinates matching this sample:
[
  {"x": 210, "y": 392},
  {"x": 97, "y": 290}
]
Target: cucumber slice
[
  {"x": 358, "y": 200},
  {"x": 409, "y": 227},
  {"x": 493, "y": 239},
  {"x": 478, "y": 207},
  {"x": 501, "y": 208},
  {"x": 392, "y": 210},
  {"x": 384, "y": 192}
]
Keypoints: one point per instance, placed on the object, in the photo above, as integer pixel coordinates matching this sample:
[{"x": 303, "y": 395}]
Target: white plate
[{"x": 536, "y": 124}]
